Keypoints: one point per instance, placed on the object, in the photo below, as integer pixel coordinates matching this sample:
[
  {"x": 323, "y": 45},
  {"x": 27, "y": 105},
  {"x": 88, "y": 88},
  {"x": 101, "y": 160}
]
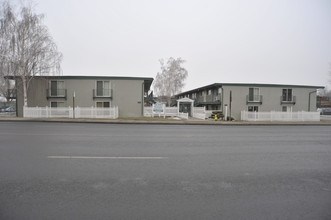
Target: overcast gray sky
[{"x": 248, "y": 41}]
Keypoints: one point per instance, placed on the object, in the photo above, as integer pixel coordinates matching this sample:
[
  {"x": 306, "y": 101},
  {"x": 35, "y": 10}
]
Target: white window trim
[
  {"x": 95, "y": 104},
  {"x": 254, "y": 95},
  {"x": 50, "y": 87},
  {"x": 288, "y": 108},
  {"x": 292, "y": 95},
  {"x": 50, "y": 104},
  {"x": 96, "y": 87},
  {"x": 253, "y": 106}
]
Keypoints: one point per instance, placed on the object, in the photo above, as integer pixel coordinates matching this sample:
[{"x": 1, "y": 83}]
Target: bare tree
[
  {"x": 6, "y": 88},
  {"x": 170, "y": 80},
  {"x": 327, "y": 91},
  {"x": 26, "y": 47}
]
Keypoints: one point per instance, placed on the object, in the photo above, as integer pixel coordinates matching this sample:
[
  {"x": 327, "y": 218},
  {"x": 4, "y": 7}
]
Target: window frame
[
  {"x": 57, "y": 89},
  {"x": 255, "y": 97},
  {"x": 103, "y": 88},
  {"x": 285, "y": 96},
  {"x": 288, "y": 108},
  {"x": 103, "y": 104},
  {"x": 253, "y": 108},
  {"x": 57, "y": 103}
]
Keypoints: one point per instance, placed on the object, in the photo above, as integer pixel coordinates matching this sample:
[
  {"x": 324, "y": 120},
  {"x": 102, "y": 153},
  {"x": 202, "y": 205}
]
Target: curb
[{"x": 128, "y": 121}]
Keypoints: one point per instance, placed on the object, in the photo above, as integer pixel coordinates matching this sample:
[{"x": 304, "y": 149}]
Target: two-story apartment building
[
  {"x": 98, "y": 91},
  {"x": 254, "y": 97}
]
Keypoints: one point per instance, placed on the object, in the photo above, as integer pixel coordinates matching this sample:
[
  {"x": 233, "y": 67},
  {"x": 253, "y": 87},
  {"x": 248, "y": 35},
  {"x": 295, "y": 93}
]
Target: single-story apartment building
[
  {"x": 237, "y": 97},
  {"x": 127, "y": 93}
]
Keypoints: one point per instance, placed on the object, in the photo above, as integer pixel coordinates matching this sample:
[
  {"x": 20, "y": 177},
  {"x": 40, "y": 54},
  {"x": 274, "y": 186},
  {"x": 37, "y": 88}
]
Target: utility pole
[
  {"x": 230, "y": 104},
  {"x": 73, "y": 105}
]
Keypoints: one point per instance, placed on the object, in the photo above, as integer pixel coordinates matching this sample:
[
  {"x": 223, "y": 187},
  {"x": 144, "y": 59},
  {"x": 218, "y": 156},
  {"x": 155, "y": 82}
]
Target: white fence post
[
  {"x": 153, "y": 111},
  {"x": 71, "y": 112},
  {"x": 77, "y": 112},
  {"x": 242, "y": 117}
]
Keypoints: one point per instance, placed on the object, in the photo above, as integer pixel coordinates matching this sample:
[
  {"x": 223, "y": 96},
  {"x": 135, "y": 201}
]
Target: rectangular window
[
  {"x": 102, "y": 104},
  {"x": 254, "y": 94},
  {"x": 57, "y": 104},
  {"x": 103, "y": 88},
  {"x": 209, "y": 92},
  {"x": 287, "y": 95},
  {"x": 286, "y": 108},
  {"x": 253, "y": 108},
  {"x": 57, "y": 88}
]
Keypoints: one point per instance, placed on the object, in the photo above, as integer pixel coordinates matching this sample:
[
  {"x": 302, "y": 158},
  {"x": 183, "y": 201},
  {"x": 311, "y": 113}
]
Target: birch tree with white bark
[
  {"x": 26, "y": 46},
  {"x": 171, "y": 80}
]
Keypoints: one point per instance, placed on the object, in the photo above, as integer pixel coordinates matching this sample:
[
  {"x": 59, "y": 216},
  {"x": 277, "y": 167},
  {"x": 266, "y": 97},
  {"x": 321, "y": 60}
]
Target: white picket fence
[
  {"x": 199, "y": 112},
  {"x": 326, "y": 117},
  {"x": 46, "y": 112},
  {"x": 183, "y": 115},
  {"x": 92, "y": 112},
  {"x": 173, "y": 112},
  {"x": 148, "y": 112},
  {"x": 67, "y": 112},
  {"x": 209, "y": 113},
  {"x": 280, "y": 116},
  {"x": 165, "y": 112}
]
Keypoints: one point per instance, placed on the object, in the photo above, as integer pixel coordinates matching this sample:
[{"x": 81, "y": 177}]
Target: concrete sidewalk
[{"x": 160, "y": 121}]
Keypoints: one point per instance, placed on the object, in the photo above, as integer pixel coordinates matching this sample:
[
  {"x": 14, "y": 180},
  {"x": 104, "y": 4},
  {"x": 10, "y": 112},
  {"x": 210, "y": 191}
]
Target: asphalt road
[{"x": 109, "y": 171}]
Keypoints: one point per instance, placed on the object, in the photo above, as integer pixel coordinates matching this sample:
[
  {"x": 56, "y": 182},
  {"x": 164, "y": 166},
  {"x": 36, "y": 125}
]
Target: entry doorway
[
  {"x": 185, "y": 105},
  {"x": 186, "y": 108}
]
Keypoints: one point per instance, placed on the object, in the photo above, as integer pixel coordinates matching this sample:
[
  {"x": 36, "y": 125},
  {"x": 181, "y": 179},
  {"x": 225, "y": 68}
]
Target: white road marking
[{"x": 123, "y": 158}]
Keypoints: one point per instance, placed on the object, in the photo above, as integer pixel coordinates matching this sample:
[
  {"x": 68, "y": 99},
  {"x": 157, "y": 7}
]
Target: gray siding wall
[
  {"x": 271, "y": 99},
  {"x": 126, "y": 94},
  {"x": 36, "y": 94}
]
